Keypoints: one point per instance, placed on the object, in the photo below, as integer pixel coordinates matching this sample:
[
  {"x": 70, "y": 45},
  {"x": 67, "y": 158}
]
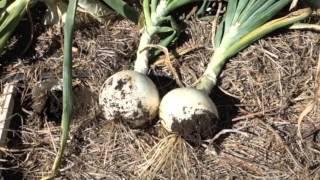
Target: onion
[
  {"x": 131, "y": 97},
  {"x": 188, "y": 111},
  {"x": 190, "y": 104}
]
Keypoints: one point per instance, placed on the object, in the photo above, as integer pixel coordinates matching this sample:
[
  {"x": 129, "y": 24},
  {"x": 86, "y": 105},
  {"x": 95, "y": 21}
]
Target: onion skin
[
  {"x": 188, "y": 112},
  {"x": 131, "y": 97}
]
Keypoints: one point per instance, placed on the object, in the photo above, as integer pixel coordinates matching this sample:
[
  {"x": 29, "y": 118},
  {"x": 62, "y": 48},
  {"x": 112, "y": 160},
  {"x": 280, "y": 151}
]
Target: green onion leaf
[
  {"x": 123, "y": 9},
  {"x": 67, "y": 85},
  {"x": 3, "y": 4},
  {"x": 10, "y": 19}
]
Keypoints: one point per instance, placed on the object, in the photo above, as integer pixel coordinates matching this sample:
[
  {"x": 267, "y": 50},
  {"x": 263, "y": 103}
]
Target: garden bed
[{"x": 261, "y": 93}]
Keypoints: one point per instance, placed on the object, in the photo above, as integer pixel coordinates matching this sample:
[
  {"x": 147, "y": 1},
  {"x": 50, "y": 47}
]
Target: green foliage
[
  {"x": 96, "y": 8},
  {"x": 9, "y": 19},
  {"x": 267, "y": 28},
  {"x": 123, "y": 9},
  {"x": 158, "y": 19},
  {"x": 67, "y": 84},
  {"x": 243, "y": 16},
  {"x": 67, "y": 74},
  {"x": 245, "y": 21},
  {"x": 3, "y": 4}
]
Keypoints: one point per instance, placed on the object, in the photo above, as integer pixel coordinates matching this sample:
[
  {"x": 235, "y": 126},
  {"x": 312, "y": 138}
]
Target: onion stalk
[
  {"x": 9, "y": 18},
  {"x": 67, "y": 74},
  {"x": 156, "y": 13},
  {"x": 11, "y": 14},
  {"x": 99, "y": 9},
  {"x": 56, "y": 11},
  {"x": 122, "y": 8},
  {"x": 131, "y": 96},
  {"x": 3, "y": 4},
  {"x": 67, "y": 85},
  {"x": 95, "y": 8},
  {"x": 196, "y": 117}
]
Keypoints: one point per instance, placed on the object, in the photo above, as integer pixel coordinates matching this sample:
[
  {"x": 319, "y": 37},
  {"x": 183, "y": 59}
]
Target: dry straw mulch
[{"x": 261, "y": 94}]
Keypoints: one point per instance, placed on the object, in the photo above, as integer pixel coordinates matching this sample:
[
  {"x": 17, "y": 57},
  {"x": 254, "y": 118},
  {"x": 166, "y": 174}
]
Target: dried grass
[{"x": 271, "y": 82}]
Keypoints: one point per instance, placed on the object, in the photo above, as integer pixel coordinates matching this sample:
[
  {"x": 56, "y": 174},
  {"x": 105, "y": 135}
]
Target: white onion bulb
[
  {"x": 188, "y": 111},
  {"x": 131, "y": 97}
]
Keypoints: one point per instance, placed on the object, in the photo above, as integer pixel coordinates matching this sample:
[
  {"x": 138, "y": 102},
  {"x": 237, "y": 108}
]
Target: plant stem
[
  {"x": 209, "y": 79},
  {"x": 155, "y": 13},
  {"x": 175, "y": 4},
  {"x": 142, "y": 60},
  {"x": 98, "y": 9},
  {"x": 299, "y": 26},
  {"x": 221, "y": 55},
  {"x": 3, "y": 4},
  {"x": 123, "y": 9},
  {"x": 141, "y": 64},
  {"x": 67, "y": 83},
  {"x": 10, "y": 19}
]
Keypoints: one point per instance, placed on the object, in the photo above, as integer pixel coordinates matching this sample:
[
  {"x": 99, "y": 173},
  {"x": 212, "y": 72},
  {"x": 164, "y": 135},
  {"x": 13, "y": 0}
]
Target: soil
[{"x": 261, "y": 94}]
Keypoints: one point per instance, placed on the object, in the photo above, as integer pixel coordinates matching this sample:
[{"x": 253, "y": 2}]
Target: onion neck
[
  {"x": 141, "y": 64},
  {"x": 230, "y": 47},
  {"x": 209, "y": 79},
  {"x": 152, "y": 22}
]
